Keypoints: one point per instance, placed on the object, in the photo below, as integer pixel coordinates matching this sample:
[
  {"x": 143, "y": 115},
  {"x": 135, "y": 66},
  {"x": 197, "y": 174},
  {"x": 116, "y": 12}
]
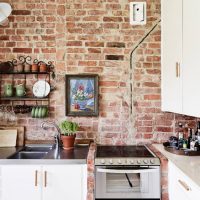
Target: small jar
[
  {"x": 43, "y": 67},
  {"x": 27, "y": 67},
  {"x": 20, "y": 67},
  {"x": 34, "y": 68}
]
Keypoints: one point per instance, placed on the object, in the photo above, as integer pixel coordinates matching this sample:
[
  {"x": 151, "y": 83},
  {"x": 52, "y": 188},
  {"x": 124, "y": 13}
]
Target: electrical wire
[{"x": 131, "y": 57}]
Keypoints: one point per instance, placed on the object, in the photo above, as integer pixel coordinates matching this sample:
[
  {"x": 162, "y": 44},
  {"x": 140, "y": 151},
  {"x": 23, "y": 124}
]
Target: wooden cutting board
[
  {"x": 8, "y": 138},
  {"x": 20, "y": 133}
]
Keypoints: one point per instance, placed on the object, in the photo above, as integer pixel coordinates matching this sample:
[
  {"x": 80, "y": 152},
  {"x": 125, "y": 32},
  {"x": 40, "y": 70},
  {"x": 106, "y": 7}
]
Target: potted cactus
[{"x": 68, "y": 133}]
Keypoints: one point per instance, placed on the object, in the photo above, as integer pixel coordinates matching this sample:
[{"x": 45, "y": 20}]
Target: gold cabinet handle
[
  {"x": 45, "y": 178},
  {"x": 177, "y": 69},
  {"x": 184, "y": 185},
  {"x": 36, "y": 178}
]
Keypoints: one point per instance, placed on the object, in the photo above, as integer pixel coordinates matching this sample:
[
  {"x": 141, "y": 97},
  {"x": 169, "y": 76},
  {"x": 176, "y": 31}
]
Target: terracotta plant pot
[{"x": 68, "y": 141}]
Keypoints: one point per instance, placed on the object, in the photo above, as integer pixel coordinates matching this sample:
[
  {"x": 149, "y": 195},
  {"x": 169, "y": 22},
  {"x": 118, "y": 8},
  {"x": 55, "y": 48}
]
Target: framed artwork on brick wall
[{"x": 82, "y": 92}]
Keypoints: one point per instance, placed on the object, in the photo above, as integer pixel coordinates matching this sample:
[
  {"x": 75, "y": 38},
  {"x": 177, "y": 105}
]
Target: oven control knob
[
  {"x": 131, "y": 161},
  {"x": 139, "y": 161},
  {"x": 152, "y": 161},
  {"x": 145, "y": 161},
  {"x": 119, "y": 161},
  {"x": 111, "y": 162},
  {"x": 102, "y": 161}
]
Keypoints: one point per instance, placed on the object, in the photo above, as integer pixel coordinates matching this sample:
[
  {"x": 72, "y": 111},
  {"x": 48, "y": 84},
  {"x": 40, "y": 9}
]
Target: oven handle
[{"x": 115, "y": 171}]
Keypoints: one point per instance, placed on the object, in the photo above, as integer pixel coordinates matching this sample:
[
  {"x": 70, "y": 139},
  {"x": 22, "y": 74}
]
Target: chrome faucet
[{"x": 50, "y": 124}]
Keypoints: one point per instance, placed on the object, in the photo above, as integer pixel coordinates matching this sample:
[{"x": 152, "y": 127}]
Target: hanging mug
[
  {"x": 8, "y": 90},
  {"x": 20, "y": 90}
]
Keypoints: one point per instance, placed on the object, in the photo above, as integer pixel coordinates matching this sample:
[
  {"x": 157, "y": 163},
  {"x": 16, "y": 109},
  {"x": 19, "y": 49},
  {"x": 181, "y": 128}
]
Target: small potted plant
[{"x": 68, "y": 133}]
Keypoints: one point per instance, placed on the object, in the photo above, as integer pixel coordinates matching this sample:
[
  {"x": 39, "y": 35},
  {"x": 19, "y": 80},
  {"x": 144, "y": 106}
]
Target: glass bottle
[{"x": 189, "y": 138}]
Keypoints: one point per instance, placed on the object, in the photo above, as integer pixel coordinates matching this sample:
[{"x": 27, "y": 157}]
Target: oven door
[{"x": 127, "y": 182}]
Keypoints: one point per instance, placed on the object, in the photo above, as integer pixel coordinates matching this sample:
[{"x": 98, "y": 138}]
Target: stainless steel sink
[
  {"x": 28, "y": 155},
  {"x": 32, "y": 152},
  {"x": 38, "y": 148}
]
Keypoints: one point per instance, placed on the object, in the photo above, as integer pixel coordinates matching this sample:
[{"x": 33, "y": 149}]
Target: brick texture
[
  {"x": 164, "y": 172},
  {"x": 94, "y": 36}
]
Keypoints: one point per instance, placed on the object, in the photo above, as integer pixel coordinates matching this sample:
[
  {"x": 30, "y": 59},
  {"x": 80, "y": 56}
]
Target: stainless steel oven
[
  {"x": 127, "y": 182},
  {"x": 126, "y": 172}
]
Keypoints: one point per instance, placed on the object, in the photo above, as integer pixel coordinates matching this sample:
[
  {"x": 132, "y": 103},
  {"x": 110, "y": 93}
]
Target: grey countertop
[
  {"x": 8, "y": 151},
  {"x": 189, "y": 165},
  {"x": 78, "y": 155}
]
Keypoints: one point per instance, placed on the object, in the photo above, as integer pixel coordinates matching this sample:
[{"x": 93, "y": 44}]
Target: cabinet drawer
[{"x": 183, "y": 182}]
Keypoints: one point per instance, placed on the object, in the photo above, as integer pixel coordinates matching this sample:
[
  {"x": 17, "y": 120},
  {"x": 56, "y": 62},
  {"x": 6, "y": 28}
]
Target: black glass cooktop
[{"x": 122, "y": 151}]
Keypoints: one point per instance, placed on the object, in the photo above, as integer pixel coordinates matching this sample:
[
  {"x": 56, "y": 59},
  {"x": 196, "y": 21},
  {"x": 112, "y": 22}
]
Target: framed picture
[{"x": 82, "y": 93}]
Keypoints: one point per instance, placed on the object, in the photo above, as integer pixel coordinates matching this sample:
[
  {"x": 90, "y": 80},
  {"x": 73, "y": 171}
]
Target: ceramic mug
[
  {"x": 8, "y": 90},
  {"x": 20, "y": 90}
]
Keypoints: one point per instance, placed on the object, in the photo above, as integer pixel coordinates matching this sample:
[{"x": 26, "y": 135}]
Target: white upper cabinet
[
  {"x": 181, "y": 56},
  {"x": 191, "y": 57},
  {"x": 171, "y": 55}
]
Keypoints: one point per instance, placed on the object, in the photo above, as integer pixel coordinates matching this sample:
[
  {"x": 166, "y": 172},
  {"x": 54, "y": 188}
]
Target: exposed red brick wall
[
  {"x": 91, "y": 176},
  {"x": 164, "y": 172},
  {"x": 94, "y": 36}
]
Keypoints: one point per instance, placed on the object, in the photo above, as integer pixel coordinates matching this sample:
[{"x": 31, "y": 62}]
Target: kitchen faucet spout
[{"x": 50, "y": 124}]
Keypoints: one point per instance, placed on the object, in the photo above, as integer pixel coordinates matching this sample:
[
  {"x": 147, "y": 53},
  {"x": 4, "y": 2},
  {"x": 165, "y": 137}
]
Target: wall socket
[{"x": 138, "y": 13}]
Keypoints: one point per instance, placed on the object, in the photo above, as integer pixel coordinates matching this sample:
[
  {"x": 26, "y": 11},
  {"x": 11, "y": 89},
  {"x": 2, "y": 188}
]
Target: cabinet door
[
  {"x": 180, "y": 185},
  {"x": 21, "y": 182},
  {"x": 64, "y": 182},
  {"x": 191, "y": 57},
  {"x": 178, "y": 194},
  {"x": 171, "y": 182},
  {"x": 175, "y": 190},
  {"x": 171, "y": 55}
]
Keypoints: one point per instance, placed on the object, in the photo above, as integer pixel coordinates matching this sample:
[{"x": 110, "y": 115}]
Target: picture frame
[{"x": 82, "y": 95}]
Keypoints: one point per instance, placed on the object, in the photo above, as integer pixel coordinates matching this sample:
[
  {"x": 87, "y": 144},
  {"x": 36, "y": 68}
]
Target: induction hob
[{"x": 125, "y": 155}]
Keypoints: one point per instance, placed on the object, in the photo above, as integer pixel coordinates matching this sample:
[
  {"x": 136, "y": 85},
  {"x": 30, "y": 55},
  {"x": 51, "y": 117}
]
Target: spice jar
[
  {"x": 34, "y": 68},
  {"x": 43, "y": 67},
  {"x": 27, "y": 67},
  {"x": 20, "y": 67}
]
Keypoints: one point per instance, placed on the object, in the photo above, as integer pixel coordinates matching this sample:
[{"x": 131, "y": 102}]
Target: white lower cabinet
[
  {"x": 19, "y": 182},
  {"x": 181, "y": 187},
  {"x": 64, "y": 182},
  {"x": 47, "y": 182}
]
